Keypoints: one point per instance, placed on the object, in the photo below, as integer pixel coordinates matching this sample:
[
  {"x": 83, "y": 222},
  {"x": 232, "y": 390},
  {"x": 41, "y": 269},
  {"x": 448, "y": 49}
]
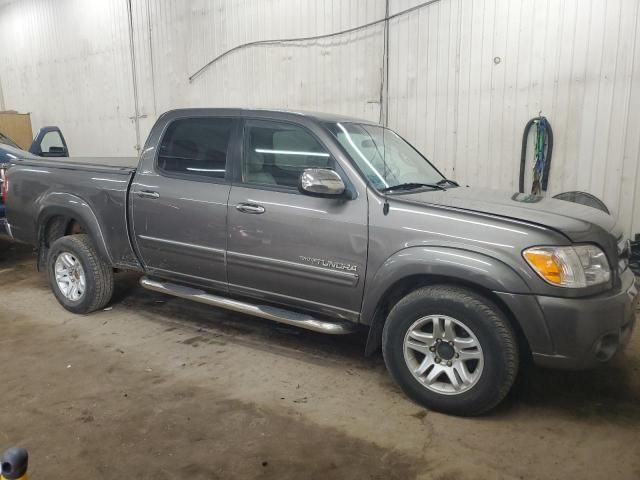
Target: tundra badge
[{"x": 321, "y": 262}]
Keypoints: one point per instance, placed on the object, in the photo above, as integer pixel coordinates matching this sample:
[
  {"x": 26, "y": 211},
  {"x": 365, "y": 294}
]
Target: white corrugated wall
[{"x": 464, "y": 76}]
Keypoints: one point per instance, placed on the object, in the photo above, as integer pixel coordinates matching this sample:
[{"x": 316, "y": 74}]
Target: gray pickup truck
[{"x": 334, "y": 224}]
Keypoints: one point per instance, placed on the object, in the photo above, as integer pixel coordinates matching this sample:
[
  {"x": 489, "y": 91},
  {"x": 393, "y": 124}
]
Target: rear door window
[{"x": 196, "y": 147}]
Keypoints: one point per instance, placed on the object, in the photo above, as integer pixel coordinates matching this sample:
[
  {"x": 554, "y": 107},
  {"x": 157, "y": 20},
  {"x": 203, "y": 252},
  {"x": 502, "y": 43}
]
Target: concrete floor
[{"x": 157, "y": 387}]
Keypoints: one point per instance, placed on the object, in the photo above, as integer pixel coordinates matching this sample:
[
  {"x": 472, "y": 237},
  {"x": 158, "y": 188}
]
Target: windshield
[
  {"x": 384, "y": 157},
  {"x": 7, "y": 141}
]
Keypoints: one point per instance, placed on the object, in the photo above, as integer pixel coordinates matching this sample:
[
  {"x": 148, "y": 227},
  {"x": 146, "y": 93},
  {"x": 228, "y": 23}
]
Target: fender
[
  {"x": 69, "y": 205},
  {"x": 467, "y": 266}
]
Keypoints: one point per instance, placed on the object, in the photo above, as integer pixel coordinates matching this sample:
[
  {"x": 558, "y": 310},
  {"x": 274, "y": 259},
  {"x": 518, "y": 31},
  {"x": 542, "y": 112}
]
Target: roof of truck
[{"x": 271, "y": 113}]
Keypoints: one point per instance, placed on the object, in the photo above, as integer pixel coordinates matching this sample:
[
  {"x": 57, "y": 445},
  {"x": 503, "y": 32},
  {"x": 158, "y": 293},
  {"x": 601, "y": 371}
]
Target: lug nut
[
  {"x": 457, "y": 355},
  {"x": 438, "y": 340},
  {"x": 437, "y": 359},
  {"x": 451, "y": 344},
  {"x": 449, "y": 363},
  {"x": 432, "y": 349}
]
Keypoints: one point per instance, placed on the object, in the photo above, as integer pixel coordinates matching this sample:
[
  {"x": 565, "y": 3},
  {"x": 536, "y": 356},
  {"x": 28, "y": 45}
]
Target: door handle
[
  {"x": 250, "y": 208},
  {"x": 148, "y": 194}
]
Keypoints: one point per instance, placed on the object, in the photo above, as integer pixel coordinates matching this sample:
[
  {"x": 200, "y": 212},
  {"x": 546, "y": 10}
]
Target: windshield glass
[
  {"x": 7, "y": 141},
  {"x": 384, "y": 157}
]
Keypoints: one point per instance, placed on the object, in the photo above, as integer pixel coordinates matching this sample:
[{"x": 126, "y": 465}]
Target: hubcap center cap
[{"x": 445, "y": 351}]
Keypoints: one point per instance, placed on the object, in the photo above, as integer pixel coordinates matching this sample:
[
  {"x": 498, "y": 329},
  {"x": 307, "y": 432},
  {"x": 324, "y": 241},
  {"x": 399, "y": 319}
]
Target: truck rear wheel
[
  {"x": 81, "y": 281},
  {"x": 450, "y": 350}
]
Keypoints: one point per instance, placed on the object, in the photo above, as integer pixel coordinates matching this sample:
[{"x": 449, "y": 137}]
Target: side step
[{"x": 302, "y": 320}]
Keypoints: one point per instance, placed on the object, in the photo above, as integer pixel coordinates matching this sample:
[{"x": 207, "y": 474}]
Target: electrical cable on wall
[
  {"x": 543, "y": 150},
  {"x": 315, "y": 37}
]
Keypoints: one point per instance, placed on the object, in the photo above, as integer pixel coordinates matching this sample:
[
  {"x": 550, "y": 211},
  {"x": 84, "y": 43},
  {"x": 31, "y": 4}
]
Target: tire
[
  {"x": 487, "y": 360},
  {"x": 96, "y": 290}
]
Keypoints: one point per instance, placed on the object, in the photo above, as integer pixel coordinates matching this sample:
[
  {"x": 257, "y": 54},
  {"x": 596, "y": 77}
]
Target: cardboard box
[{"x": 17, "y": 126}]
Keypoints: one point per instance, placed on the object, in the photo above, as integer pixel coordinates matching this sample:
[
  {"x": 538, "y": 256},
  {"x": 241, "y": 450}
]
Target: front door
[
  {"x": 180, "y": 206},
  {"x": 285, "y": 246}
]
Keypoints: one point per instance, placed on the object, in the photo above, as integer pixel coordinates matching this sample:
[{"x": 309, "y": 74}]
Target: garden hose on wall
[{"x": 543, "y": 149}]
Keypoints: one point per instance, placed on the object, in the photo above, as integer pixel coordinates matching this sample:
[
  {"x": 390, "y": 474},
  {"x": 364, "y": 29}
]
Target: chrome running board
[{"x": 277, "y": 314}]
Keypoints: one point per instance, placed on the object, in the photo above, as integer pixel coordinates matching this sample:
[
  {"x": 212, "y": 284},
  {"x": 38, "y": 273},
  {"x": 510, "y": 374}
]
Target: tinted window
[
  {"x": 277, "y": 153},
  {"x": 196, "y": 146}
]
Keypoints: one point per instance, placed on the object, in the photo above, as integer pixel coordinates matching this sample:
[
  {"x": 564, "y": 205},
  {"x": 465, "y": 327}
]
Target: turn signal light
[{"x": 545, "y": 264}]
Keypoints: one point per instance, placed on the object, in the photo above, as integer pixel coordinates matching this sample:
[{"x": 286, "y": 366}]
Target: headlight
[{"x": 573, "y": 267}]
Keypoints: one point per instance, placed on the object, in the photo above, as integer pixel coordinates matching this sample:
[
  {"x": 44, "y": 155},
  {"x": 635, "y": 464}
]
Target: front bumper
[{"x": 589, "y": 331}]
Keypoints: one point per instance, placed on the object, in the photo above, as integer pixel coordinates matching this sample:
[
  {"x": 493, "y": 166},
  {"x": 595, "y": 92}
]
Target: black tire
[
  {"x": 98, "y": 274},
  {"x": 479, "y": 315}
]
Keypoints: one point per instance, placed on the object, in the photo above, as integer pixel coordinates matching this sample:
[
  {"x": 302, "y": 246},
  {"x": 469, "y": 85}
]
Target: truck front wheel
[
  {"x": 450, "y": 350},
  {"x": 81, "y": 281}
]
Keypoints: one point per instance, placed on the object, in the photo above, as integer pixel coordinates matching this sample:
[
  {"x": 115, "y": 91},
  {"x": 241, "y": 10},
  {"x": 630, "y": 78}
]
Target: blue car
[{"x": 48, "y": 143}]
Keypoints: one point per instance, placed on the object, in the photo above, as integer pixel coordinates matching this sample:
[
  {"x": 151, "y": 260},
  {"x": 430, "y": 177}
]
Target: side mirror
[{"x": 321, "y": 182}]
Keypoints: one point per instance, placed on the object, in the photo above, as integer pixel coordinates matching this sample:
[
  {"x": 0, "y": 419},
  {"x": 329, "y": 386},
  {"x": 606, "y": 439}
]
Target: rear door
[{"x": 180, "y": 205}]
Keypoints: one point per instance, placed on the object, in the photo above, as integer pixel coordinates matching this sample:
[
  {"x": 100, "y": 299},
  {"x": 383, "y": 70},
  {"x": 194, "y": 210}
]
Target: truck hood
[{"x": 579, "y": 223}]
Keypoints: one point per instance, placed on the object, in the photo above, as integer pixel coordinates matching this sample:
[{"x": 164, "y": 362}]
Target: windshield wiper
[
  {"x": 450, "y": 182},
  {"x": 413, "y": 185}
]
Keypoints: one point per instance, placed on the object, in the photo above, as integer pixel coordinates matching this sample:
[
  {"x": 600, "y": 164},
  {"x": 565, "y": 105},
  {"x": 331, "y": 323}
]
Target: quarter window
[
  {"x": 196, "y": 147},
  {"x": 275, "y": 153}
]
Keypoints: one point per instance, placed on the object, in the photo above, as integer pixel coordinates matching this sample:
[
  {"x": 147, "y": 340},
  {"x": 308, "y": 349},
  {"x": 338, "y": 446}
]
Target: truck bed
[{"x": 89, "y": 190}]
